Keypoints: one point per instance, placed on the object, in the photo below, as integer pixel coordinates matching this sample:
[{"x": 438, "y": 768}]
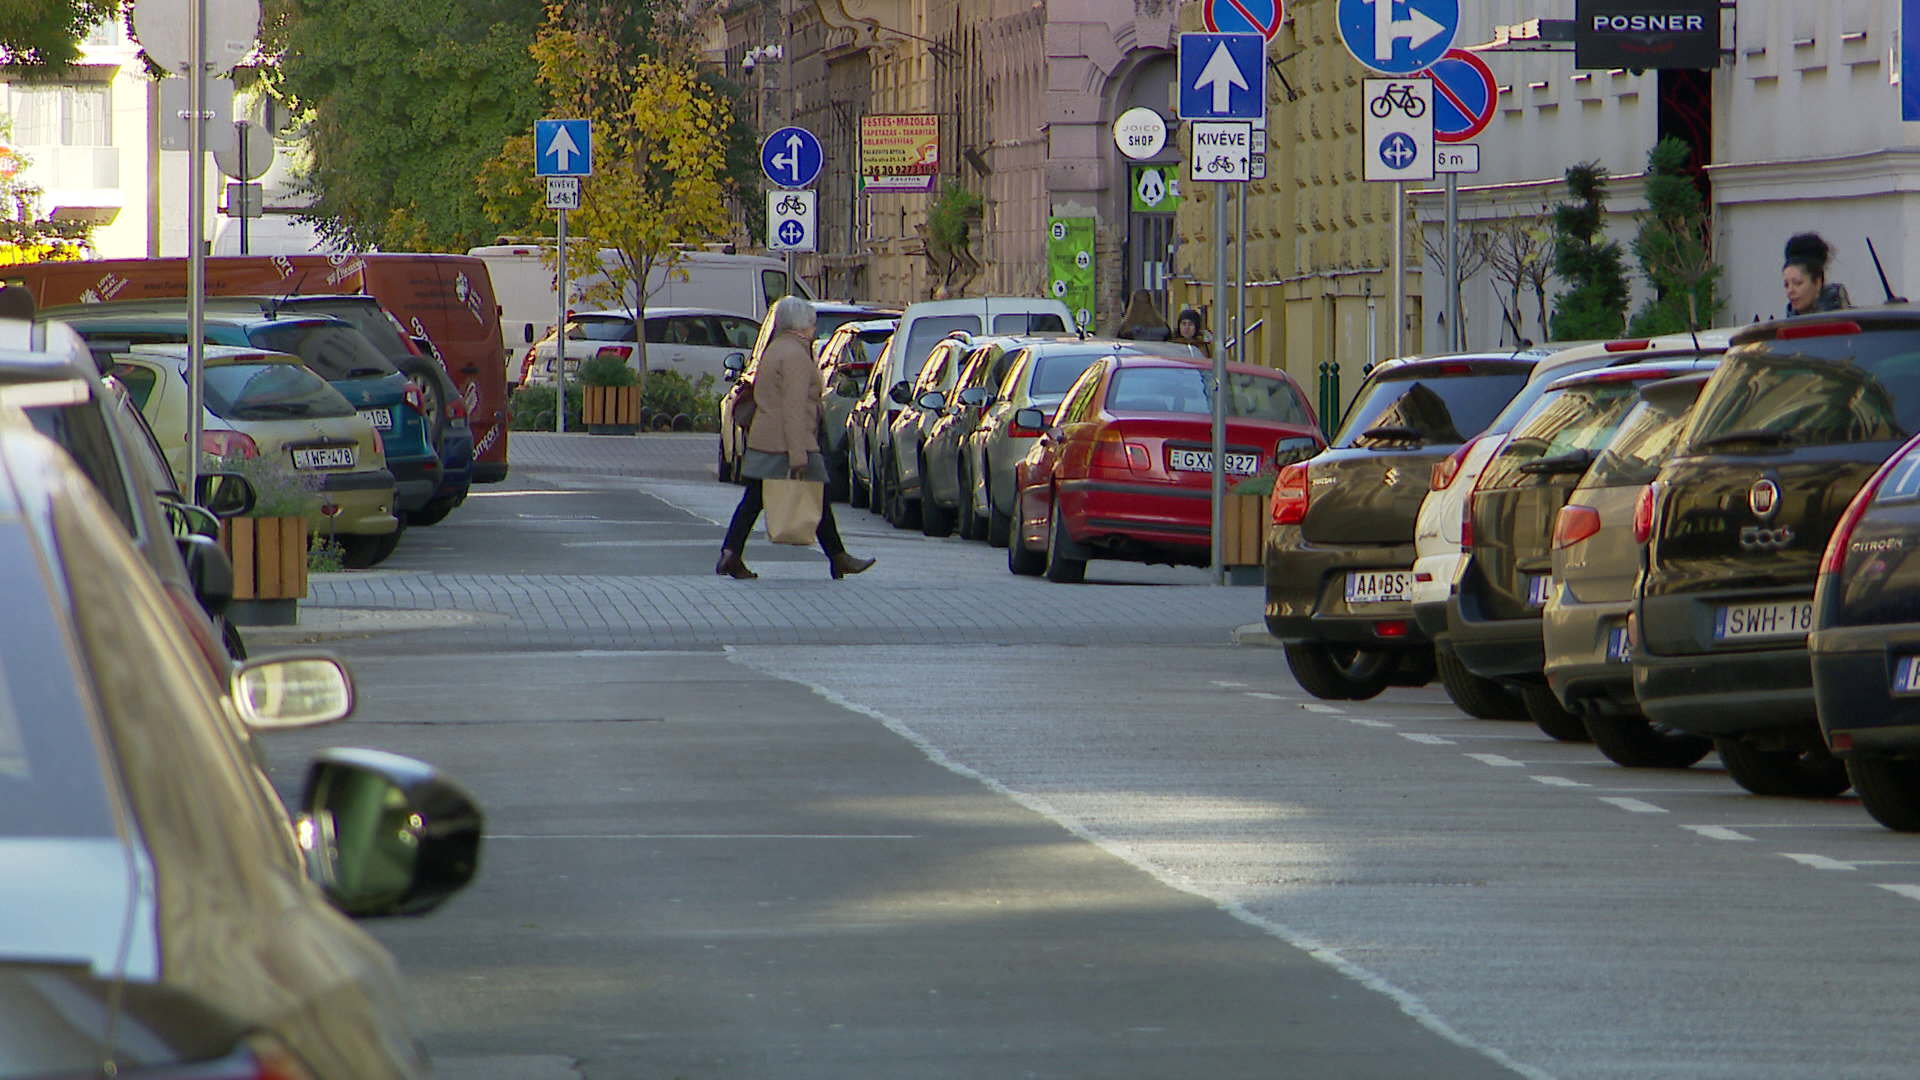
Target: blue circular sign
[
  {"x": 792, "y": 233},
  {"x": 1463, "y": 96},
  {"x": 1261, "y": 17},
  {"x": 1398, "y": 37},
  {"x": 1398, "y": 150},
  {"x": 791, "y": 157}
]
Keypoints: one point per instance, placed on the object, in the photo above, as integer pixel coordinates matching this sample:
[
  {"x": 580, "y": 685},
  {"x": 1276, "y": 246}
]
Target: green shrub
[
  {"x": 324, "y": 556},
  {"x": 279, "y": 489},
  {"x": 607, "y": 369},
  {"x": 532, "y": 408},
  {"x": 674, "y": 394}
]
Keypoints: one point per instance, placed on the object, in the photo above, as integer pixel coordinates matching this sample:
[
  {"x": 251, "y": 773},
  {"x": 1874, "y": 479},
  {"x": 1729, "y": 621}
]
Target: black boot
[
  {"x": 730, "y": 565},
  {"x": 843, "y": 564}
]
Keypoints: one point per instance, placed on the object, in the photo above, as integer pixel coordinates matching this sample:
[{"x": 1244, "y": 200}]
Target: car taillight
[
  {"x": 1112, "y": 451},
  {"x": 1835, "y": 556},
  {"x": 1643, "y": 515},
  {"x": 1574, "y": 524},
  {"x": 416, "y": 397},
  {"x": 1444, "y": 471},
  {"x": 1630, "y": 345},
  {"x": 230, "y": 444},
  {"x": 1823, "y": 329},
  {"x": 379, "y": 444},
  {"x": 1289, "y": 505},
  {"x": 618, "y": 352},
  {"x": 1466, "y": 525},
  {"x": 457, "y": 408}
]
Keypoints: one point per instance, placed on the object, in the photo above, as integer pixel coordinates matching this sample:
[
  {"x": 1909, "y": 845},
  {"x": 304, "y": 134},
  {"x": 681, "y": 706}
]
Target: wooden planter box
[
  {"x": 1244, "y": 523},
  {"x": 610, "y": 410},
  {"x": 269, "y": 557}
]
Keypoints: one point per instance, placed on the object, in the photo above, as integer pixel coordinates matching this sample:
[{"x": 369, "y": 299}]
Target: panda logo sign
[{"x": 1152, "y": 188}]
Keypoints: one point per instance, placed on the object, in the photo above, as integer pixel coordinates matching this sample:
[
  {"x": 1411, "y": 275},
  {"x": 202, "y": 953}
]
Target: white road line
[
  {"x": 1430, "y": 740},
  {"x": 1633, "y": 806},
  {"x": 1819, "y": 862},
  {"x": 1264, "y": 696},
  {"x": 1717, "y": 832},
  {"x": 700, "y": 836},
  {"x": 1364, "y": 722},
  {"x": 1223, "y": 682},
  {"x": 1911, "y": 892},
  {"x": 1496, "y": 760},
  {"x": 1316, "y": 707},
  {"x": 1558, "y": 781}
]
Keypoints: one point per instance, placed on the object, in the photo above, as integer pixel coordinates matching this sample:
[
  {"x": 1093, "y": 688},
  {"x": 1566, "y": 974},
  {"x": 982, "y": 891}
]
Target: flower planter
[
  {"x": 269, "y": 558},
  {"x": 1244, "y": 528},
  {"x": 610, "y": 410}
]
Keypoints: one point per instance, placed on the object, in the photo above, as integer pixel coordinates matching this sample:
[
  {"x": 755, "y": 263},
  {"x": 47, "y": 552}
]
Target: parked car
[
  {"x": 1120, "y": 470},
  {"x": 1596, "y": 563},
  {"x": 901, "y": 501},
  {"x": 846, "y": 363},
  {"x": 1340, "y": 552},
  {"x": 1037, "y": 376},
  {"x": 127, "y": 790},
  {"x": 1493, "y": 612},
  {"x": 1797, "y": 417},
  {"x": 690, "y": 342},
  {"x": 270, "y": 408},
  {"x": 331, "y": 347},
  {"x": 946, "y": 499},
  {"x": 831, "y": 315}
]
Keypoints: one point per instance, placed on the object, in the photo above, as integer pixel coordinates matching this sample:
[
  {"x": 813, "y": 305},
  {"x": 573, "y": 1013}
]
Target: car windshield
[
  {"x": 926, "y": 333},
  {"x": 1644, "y": 441},
  {"x": 1441, "y": 407},
  {"x": 1185, "y": 390},
  {"x": 601, "y": 328},
  {"x": 271, "y": 392},
  {"x": 50, "y": 782},
  {"x": 1579, "y": 419},
  {"x": 1055, "y": 372},
  {"x": 1816, "y": 391},
  {"x": 368, "y": 318},
  {"x": 333, "y": 350}
]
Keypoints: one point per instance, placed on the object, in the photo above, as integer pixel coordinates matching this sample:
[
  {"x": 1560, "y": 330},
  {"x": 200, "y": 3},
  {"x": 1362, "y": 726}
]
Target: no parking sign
[{"x": 1463, "y": 96}]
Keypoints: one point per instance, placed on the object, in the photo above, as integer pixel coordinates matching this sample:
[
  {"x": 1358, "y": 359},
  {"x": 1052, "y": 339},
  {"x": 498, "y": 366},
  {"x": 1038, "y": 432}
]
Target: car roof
[
  {"x": 211, "y": 354},
  {"x": 863, "y": 326},
  {"x": 1643, "y": 370},
  {"x": 974, "y": 305},
  {"x": 1201, "y": 363},
  {"x": 170, "y": 316},
  {"x": 1881, "y": 313},
  {"x": 1531, "y": 354},
  {"x": 1041, "y": 346},
  {"x": 1636, "y": 350},
  {"x": 655, "y": 312},
  {"x": 33, "y": 351},
  {"x": 842, "y": 307}
]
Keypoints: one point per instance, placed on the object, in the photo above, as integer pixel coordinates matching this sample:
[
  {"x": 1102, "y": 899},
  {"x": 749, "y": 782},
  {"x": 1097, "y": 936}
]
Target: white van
[{"x": 744, "y": 285}]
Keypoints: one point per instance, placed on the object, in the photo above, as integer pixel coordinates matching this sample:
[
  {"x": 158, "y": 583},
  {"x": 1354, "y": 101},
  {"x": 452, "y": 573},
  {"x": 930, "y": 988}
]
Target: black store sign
[{"x": 1646, "y": 33}]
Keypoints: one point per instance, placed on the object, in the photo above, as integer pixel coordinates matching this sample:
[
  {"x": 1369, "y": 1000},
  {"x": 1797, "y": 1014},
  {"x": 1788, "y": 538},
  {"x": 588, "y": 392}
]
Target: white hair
[{"x": 791, "y": 314}]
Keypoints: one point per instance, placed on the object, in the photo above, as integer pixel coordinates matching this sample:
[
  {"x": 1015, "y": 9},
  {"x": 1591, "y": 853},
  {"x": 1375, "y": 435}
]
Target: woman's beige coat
[{"x": 786, "y": 398}]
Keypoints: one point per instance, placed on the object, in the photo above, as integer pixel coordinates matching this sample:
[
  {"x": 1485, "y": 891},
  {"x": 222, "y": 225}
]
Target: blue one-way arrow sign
[
  {"x": 1223, "y": 76},
  {"x": 791, "y": 157},
  {"x": 563, "y": 148}
]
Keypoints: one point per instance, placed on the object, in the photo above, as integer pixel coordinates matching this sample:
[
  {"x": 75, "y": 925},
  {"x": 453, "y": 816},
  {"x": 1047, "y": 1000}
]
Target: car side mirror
[
  {"x": 527, "y": 333},
  {"x": 901, "y": 393},
  {"x": 1294, "y": 450},
  {"x": 932, "y": 401},
  {"x": 974, "y": 396},
  {"x": 387, "y": 835},
  {"x": 292, "y": 691},
  {"x": 225, "y": 494},
  {"x": 209, "y": 569},
  {"x": 734, "y": 363}
]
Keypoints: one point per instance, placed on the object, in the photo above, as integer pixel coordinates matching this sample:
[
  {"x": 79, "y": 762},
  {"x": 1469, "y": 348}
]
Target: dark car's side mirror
[
  {"x": 209, "y": 569},
  {"x": 975, "y": 396},
  {"x": 528, "y": 333},
  {"x": 224, "y": 494},
  {"x": 734, "y": 363},
  {"x": 932, "y": 401},
  {"x": 387, "y": 835},
  {"x": 1294, "y": 450},
  {"x": 901, "y": 393},
  {"x": 1028, "y": 422}
]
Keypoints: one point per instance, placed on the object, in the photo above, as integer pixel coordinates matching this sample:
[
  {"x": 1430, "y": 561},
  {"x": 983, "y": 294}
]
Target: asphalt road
[{"x": 935, "y": 821}]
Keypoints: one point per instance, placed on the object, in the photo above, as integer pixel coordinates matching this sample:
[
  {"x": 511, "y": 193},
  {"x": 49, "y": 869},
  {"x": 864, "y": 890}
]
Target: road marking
[
  {"x": 1263, "y": 696},
  {"x": 1911, "y": 892},
  {"x": 1313, "y": 707},
  {"x": 1223, "y": 682},
  {"x": 1717, "y": 832},
  {"x": 1496, "y": 760},
  {"x": 1430, "y": 740},
  {"x": 558, "y": 517},
  {"x": 1559, "y": 781},
  {"x": 700, "y": 836},
  {"x": 1364, "y": 722},
  {"x": 1819, "y": 862},
  {"x": 1633, "y": 806}
]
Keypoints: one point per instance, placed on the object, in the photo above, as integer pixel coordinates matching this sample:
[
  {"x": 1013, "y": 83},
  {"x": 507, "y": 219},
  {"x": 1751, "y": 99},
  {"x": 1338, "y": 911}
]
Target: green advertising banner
[
  {"x": 1155, "y": 189},
  {"x": 1070, "y": 265}
]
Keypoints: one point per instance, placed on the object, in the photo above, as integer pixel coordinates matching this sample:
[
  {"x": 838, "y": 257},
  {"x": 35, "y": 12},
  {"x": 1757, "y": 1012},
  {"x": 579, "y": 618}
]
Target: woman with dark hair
[
  {"x": 1143, "y": 321},
  {"x": 1805, "y": 277},
  {"x": 1190, "y": 330}
]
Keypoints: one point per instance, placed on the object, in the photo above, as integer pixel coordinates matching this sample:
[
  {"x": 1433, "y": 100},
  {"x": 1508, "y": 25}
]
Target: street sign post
[
  {"x": 1463, "y": 96},
  {"x": 792, "y": 220},
  {"x": 563, "y": 147},
  {"x": 1396, "y": 130},
  {"x": 1450, "y": 160},
  {"x": 1261, "y": 17},
  {"x": 1398, "y": 45},
  {"x": 791, "y": 157},
  {"x": 1223, "y": 76}
]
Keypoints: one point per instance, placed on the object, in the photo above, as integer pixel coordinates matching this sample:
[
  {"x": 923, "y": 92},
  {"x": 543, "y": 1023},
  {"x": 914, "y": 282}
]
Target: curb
[{"x": 1255, "y": 634}]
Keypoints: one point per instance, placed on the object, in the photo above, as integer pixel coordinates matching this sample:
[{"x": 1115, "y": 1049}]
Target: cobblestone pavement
[{"x": 605, "y": 542}]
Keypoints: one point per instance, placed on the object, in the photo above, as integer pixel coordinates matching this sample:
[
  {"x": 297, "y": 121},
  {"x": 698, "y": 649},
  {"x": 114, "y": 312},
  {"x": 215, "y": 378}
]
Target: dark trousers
[{"x": 748, "y": 512}]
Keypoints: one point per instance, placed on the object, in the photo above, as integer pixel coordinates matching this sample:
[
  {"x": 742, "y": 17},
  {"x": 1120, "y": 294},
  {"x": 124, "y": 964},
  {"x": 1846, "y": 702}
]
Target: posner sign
[{"x": 1646, "y": 34}]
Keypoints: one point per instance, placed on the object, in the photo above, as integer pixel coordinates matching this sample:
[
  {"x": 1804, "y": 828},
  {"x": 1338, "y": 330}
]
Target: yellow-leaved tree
[{"x": 659, "y": 161}]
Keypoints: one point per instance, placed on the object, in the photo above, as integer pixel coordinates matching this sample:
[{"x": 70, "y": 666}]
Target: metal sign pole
[
  {"x": 1220, "y": 194},
  {"x": 1456, "y": 340},
  {"x": 196, "y": 229},
  {"x": 560, "y": 334},
  {"x": 240, "y": 130},
  {"x": 1240, "y": 284},
  {"x": 1399, "y": 282}
]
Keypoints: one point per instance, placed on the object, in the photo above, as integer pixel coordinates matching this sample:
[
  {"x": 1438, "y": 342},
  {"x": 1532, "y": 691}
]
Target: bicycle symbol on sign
[
  {"x": 792, "y": 204},
  {"x": 1221, "y": 163},
  {"x": 1397, "y": 96}
]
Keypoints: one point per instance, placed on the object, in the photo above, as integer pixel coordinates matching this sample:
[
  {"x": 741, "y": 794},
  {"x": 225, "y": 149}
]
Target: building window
[{"x": 68, "y": 115}]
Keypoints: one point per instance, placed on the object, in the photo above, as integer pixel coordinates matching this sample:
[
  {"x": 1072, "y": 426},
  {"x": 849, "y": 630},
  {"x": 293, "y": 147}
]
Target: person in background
[
  {"x": 16, "y": 302},
  {"x": 783, "y": 441},
  {"x": 1189, "y": 329},
  {"x": 1805, "y": 277},
  {"x": 1143, "y": 321}
]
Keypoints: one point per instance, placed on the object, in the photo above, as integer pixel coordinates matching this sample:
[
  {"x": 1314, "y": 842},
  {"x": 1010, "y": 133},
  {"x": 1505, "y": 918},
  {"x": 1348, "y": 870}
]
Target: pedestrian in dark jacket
[
  {"x": 1805, "y": 277},
  {"x": 1143, "y": 321},
  {"x": 783, "y": 441},
  {"x": 1190, "y": 329}
]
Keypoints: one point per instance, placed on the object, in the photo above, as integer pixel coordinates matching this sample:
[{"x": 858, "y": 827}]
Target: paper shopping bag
[{"x": 793, "y": 510}]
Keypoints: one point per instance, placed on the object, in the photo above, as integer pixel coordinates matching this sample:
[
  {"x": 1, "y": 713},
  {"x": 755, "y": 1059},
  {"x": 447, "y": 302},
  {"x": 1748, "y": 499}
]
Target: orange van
[{"x": 447, "y": 299}]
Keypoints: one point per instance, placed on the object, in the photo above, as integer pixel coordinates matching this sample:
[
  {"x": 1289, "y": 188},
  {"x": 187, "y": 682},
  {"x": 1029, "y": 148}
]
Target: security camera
[{"x": 749, "y": 63}]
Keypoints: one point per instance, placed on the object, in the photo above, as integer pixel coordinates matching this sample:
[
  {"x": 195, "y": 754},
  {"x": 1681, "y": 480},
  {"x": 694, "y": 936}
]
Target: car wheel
[
  {"x": 434, "y": 512},
  {"x": 839, "y": 485},
  {"x": 367, "y": 552},
  {"x": 1889, "y": 788},
  {"x": 971, "y": 526},
  {"x": 1340, "y": 672},
  {"x": 1634, "y": 742},
  {"x": 720, "y": 465},
  {"x": 1803, "y": 774},
  {"x": 1062, "y": 569},
  {"x": 902, "y": 512},
  {"x": 1480, "y": 698},
  {"x": 1551, "y": 716},
  {"x": 999, "y": 525},
  {"x": 1020, "y": 560},
  {"x": 935, "y": 520}
]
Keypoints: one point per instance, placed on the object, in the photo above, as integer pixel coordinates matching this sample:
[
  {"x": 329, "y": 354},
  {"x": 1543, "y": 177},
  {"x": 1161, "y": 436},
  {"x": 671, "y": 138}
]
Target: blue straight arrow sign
[
  {"x": 563, "y": 148},
  {"x": 1223, "y": 76}
]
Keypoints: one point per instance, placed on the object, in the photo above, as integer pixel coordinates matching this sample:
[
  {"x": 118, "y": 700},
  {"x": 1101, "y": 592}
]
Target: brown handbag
[{"x": 743, "y": 404}]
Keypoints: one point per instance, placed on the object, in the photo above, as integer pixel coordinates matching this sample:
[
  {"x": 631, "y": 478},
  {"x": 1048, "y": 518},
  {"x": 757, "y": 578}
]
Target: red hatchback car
[{"x": 1126, "y": 467}]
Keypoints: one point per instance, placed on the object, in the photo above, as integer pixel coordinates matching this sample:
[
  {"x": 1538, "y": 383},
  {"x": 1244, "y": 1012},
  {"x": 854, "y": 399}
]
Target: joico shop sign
[{"x": 1646, "y": 34}]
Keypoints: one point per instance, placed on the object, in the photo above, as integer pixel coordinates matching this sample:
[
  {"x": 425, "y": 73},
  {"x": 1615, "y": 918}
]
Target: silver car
[
  {"x": 1038, "y": 376},
  {"x": 926, "y": 403},
  {"x": 846, "y": 364},
  {"x": 946, "y": 484}
]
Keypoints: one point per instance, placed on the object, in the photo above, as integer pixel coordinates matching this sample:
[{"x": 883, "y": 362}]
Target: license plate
[
  {"x": 1379, "y": 586},
  {"x": 324, "y": 457},
  {"x": 1906, "y": 675},
  {"x": 1202, "y": 461},
  {"x": 1617, "y": 645},
  {"x": 1749, "y": 622},
  {"x": 1539, "y": 587},
  {"x": 382, "y": 419}
]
